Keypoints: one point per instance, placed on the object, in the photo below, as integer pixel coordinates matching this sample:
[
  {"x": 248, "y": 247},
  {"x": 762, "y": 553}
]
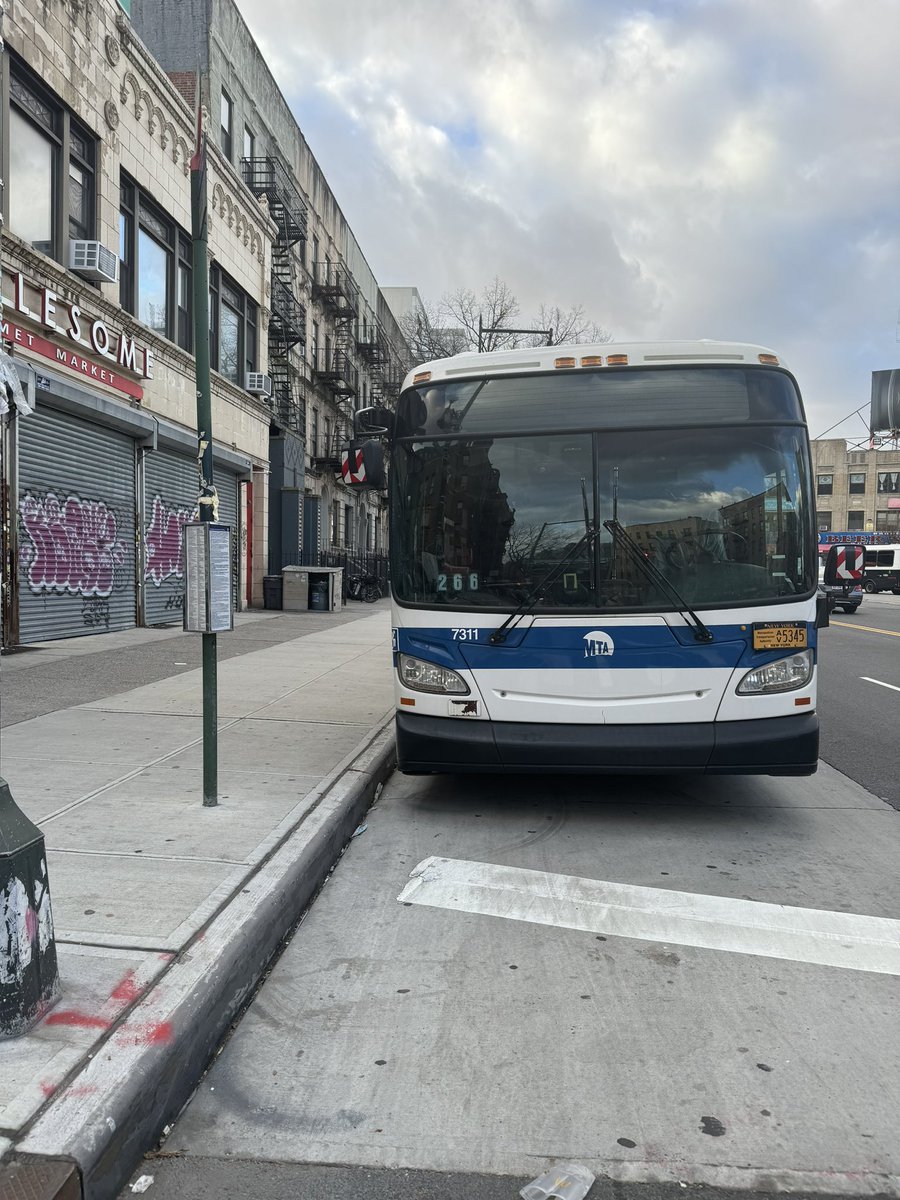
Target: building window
[
  {"x": 315, "y": 433},
  {"x": 823, "y": 520},
  {"x": 226, "y": 118},
  {"x": 889, "y": 481},
  {"x": 155, "y": 270},
  {"x": 52, "y": 157},
  {"x": 824, "y": 485},
  {"x": 888, "y": 520},
  {"x": 348, "y": 526},
  {"x": 249, "y": 143},
  {"x": 232, "y": 328},
  {"x": 856, "y": 519},
  {"x": 81, "y": 183},
  {"x": 857, "y": 483},
  {"x": 336, "y": 523}
]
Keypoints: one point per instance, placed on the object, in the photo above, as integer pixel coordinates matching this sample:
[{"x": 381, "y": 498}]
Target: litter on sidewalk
[{"x": 567, "y": 1181}]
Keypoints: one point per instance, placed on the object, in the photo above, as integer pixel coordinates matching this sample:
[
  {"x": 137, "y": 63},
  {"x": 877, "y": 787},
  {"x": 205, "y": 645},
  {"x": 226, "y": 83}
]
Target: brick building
[{"x": 856, "y": 490}]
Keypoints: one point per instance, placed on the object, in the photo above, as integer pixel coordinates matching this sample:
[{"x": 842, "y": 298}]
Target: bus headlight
[
  {"x": 425, "y": 676},
  {"x": 783, "y": 675}
]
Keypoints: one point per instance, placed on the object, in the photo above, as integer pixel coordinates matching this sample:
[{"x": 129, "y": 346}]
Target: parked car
[{"x": 849, "y": 600}]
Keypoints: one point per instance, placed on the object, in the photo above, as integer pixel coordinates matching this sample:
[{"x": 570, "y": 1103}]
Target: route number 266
[{"x": 456, "y": 582}]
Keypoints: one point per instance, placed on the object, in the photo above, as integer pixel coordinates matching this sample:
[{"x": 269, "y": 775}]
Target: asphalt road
[
  {"x": 457, "y": 1042},
  {"x": 860, "y": 718}
]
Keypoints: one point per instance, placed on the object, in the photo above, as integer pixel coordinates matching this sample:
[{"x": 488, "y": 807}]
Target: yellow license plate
[{"x": 780, "y": 635}]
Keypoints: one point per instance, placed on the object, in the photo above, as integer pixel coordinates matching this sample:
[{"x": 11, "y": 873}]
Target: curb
[{"x": 141, "y": 1076}]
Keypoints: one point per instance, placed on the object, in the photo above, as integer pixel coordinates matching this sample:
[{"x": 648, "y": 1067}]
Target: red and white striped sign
[
  {"x": 850, "y": 562},
  {"x": 353, "y": 468}
]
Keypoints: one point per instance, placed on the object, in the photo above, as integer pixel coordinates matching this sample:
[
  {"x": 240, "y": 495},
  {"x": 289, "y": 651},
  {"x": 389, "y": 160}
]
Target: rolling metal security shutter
[
  {"x": 171, "y": 486},
  {"x": 227, "y": 486},
  {"x": 76, "y": 527}
]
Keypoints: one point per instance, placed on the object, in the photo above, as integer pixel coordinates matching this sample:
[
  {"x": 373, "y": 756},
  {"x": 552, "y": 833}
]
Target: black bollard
[{"x": 29, "y": 976}]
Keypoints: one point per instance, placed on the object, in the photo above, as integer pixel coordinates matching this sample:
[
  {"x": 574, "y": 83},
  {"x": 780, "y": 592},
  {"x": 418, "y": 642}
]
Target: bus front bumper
[{"x": 770, "y": 746}]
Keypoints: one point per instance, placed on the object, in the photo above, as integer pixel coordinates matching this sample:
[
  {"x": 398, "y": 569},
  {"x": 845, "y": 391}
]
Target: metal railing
[{"x": 356, "y": 563}]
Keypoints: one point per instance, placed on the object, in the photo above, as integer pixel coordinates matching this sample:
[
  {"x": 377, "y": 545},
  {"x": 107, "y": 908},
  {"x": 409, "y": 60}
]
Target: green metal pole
[{"x": 205, "y": 448}]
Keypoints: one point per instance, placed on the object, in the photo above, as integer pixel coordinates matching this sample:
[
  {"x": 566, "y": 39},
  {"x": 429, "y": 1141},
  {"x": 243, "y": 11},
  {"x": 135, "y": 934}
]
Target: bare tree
[
  {"x": 453, "y": 325},
  {"x": 568, "y": 327}
]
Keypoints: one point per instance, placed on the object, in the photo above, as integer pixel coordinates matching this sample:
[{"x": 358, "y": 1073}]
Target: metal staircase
[{"x": 287, "y": 322}]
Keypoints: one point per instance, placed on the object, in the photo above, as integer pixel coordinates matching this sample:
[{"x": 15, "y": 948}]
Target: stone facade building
[
  {"x": 334, "y": 343},
  {"x": 856, "y": 490},
  {"x": 97, "y": 107},
  {"x": 100, "y": 476}
]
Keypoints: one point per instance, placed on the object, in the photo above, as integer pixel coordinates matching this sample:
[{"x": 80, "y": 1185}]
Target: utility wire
[{"x": 841, "y": 421}]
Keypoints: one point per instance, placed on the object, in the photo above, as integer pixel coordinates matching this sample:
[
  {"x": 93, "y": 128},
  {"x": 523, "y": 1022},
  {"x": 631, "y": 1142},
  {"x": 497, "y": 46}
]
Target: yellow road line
[{"x": 867, "y": 628}]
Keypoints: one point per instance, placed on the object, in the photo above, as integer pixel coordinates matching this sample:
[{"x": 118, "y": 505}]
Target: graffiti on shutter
[{"x": 72, "y": 546}]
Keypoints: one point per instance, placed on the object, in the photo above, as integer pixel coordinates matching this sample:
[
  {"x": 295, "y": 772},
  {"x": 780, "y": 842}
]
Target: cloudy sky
[{"x": 681, "y": 168}]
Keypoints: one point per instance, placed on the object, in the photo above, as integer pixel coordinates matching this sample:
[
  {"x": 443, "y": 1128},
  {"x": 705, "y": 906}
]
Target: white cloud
[{"x": 687, "y": 168}]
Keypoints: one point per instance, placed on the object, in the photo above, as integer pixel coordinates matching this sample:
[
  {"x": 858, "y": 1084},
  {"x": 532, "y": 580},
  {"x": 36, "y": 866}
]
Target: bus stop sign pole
[{"x": 208, "y": 497}]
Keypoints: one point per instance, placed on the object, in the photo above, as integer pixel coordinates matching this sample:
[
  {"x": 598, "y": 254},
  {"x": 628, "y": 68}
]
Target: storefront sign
[
  {"x": 70, "y": 359},
  {"x": 83, "y": 343},
  {"x": 855, "y": 539}
]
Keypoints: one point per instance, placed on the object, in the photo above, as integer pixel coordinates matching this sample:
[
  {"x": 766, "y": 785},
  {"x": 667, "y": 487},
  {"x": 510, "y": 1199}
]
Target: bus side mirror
[
  {"x": 844, "y": 566},
  {"x": 375, "y": 421}
]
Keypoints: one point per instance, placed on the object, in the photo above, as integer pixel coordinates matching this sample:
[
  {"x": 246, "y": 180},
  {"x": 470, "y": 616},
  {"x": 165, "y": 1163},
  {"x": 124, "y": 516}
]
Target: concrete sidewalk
[{"x": 167, "y": 912}]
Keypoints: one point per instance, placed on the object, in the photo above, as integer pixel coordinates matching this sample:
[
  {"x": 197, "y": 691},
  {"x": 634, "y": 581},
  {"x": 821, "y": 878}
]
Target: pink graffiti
[
  {"x": 164, "y": 541},
  {"x": 74, "y": 545}
]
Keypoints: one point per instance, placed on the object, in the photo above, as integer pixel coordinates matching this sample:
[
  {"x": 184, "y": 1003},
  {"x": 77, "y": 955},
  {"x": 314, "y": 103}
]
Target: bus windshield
[{"x": 480, "y": 521}]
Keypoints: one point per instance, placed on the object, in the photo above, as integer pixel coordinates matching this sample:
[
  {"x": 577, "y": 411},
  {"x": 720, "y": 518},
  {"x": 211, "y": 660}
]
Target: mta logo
[{"x": 598, "y": 644}]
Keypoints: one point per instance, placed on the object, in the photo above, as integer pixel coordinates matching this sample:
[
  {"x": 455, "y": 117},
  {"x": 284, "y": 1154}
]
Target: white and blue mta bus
[{"x": 603, "y": 558}]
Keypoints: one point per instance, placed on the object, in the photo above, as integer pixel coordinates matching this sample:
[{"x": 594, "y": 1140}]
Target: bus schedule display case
[
  {"x": 207, "y": 575},
  {"x": 603, "y": 558}
]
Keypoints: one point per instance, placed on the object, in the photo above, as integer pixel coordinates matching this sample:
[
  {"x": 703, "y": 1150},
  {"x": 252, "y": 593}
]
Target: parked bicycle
[{"x": 364, "y": 587}]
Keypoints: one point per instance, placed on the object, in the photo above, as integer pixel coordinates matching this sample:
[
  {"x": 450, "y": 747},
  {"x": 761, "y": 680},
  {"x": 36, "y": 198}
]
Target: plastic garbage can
[
  {"x": 273, "y": 591},
  {"x": 318, "y": 595}
]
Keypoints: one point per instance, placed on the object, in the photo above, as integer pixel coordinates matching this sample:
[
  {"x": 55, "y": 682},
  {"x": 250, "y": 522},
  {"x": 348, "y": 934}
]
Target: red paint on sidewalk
[
  {"x": 126, "y": 990},
  {"x": 69, "y": 1016}
]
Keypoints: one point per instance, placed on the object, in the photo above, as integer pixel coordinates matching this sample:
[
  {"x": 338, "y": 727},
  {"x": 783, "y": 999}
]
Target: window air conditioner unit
[
  {"x": 93, "y": 260},
  {"x": 258, "y": 384}
]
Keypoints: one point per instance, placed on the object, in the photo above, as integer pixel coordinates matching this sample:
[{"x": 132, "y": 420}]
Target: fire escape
[
  {"x": 385, "y": 368},
  {"x": 287, "y": 322},
  {"x": 334, "y": 288}
]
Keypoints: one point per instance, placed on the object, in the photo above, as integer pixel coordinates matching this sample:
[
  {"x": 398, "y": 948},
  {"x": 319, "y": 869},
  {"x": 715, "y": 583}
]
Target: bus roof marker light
[
  {"x": 564, "y": 362},
  {"x": 422, "y": 377},
  {"x": 592, "y": 360},
  {"x": 617, "y": 360},
  {"x": 769, "y": 360}
]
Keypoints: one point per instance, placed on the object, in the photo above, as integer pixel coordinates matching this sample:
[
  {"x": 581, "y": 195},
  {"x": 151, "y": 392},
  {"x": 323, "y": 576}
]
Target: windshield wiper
[
  {"x": 498, "y": 637},
  {"x": 701, "y": 632}
]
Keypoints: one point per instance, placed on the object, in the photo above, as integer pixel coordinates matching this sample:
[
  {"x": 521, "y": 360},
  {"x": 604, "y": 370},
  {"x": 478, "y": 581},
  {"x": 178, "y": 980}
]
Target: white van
[{"x": 882, "y": 569}]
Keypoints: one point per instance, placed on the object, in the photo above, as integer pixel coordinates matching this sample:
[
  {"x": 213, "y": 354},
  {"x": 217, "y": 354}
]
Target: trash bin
[
  {"x": 318, "y": 595},
  {"x": 273, "y": 591}
]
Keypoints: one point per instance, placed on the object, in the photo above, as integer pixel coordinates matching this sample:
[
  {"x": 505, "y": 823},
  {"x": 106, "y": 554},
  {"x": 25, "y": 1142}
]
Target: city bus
[{"x": 603, "y": 559}]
